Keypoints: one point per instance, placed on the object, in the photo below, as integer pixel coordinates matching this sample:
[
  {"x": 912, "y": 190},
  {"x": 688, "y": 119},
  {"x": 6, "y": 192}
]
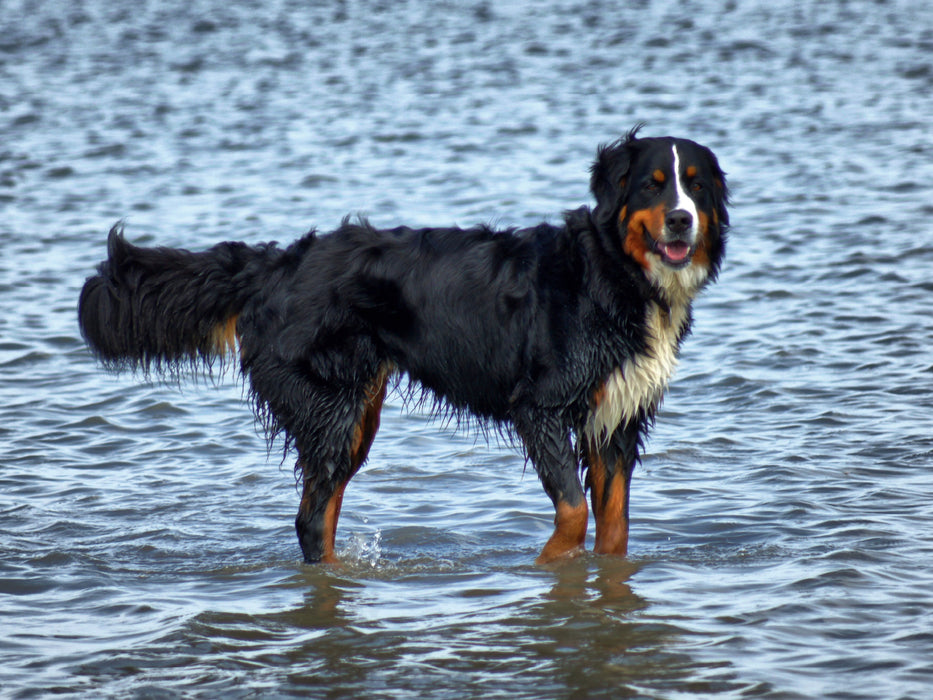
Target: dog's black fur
[{"x": 519, "y": 328}]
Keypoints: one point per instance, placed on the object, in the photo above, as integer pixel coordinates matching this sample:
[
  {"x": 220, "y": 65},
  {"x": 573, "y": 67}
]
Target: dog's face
[{"x": 664, "y": 200}]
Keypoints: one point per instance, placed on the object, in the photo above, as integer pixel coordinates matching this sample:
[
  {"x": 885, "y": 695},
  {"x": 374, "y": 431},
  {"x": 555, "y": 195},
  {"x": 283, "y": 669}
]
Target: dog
[{"x": 563, "y": 336}]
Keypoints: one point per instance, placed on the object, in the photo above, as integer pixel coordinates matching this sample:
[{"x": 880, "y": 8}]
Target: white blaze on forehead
[{"x": 683, "y": 199}]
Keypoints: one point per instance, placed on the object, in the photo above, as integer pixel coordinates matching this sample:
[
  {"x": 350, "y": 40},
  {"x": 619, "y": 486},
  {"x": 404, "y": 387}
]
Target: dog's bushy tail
[{"x": 160, "y": 308}]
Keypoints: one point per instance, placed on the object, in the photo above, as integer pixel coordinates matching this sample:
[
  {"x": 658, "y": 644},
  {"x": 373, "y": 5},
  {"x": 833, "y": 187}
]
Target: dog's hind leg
[
  {"x": 316, "y": 522},
  {"x": 325, "y": 479},
  {"x": 609, "y": 469},
  {"x": 551, "y": 452}
]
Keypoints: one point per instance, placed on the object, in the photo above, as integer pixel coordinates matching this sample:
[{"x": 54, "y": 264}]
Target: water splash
[{"x": 363, "y": 549}]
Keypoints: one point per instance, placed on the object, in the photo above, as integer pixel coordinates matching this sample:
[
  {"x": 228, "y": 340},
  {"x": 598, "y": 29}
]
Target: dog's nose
[{"x": 678, "y": 221}]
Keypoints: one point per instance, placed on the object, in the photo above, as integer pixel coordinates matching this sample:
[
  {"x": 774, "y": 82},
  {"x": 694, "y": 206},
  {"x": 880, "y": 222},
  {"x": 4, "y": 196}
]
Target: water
[{"x": 781, "y": 535}]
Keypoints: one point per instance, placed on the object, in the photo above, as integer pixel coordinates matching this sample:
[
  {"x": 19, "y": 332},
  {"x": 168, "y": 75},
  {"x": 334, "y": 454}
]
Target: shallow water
[{"x": 781, "y": 535}]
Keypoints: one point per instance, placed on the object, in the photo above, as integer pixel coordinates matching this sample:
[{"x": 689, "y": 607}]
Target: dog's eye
[
  {"x": 696, "y": 186},
  {"x": 652, "y": 186}
]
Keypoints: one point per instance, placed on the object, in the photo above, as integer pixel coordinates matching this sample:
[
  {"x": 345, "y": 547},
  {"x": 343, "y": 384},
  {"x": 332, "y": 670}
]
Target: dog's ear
[
  {"x": 609, "y": 177},
  {"x": 721, "y": 192},
  {"x": 720, "y": 189}
]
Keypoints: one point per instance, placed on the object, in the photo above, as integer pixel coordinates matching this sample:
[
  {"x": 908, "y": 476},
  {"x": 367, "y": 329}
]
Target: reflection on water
[
  {"x": 780, "y": 537},
  {"x": 457, "y": 633}
]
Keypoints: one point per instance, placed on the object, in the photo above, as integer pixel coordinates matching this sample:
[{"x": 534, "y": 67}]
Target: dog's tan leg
[
  {"x": 321, "y": 502},
  {"x": 547, "y": 441},
  {"x": 569, "y": 532},
  {"x": 612, "y": 517},
  {"x": 317, "y": 520},
  {"x": 608, "y": 478}
]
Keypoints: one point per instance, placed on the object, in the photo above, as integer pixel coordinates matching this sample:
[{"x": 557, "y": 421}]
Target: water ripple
[{"x": 780, "y": 537}]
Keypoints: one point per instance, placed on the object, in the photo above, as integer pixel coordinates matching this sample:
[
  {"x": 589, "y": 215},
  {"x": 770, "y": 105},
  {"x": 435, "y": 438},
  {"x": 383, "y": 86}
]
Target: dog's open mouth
[{"x": 675, "y": 253}]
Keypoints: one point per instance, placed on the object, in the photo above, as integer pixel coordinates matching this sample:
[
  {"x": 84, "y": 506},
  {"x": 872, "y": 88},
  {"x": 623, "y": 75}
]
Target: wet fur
[{"x": 533, "y": 331}]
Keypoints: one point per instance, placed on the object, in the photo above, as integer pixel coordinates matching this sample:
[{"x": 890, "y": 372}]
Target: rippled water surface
[{"x": 782, "y": 533}]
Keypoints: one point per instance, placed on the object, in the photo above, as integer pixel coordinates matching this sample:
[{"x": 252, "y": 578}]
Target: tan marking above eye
[
  {"x": 658, "y": 175},
  {"x": 691, "y": 171}
]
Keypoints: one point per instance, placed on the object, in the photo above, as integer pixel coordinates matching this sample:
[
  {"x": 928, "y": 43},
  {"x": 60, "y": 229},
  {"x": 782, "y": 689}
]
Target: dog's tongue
[{"x": 676, "y": 251}]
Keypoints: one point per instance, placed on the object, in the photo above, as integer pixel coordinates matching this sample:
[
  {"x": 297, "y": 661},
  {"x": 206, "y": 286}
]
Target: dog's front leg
[
  {"x": 609, "y": 465},
  {"x": 551, "y": 452}
]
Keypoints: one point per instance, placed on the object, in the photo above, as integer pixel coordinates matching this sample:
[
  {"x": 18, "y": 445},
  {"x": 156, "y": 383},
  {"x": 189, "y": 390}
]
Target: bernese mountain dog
[{"x": 564, "y": 336}]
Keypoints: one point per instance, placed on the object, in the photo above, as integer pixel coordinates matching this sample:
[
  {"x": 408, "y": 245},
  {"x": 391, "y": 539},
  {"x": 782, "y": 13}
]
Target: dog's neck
[{"x": 677, "y": 288}]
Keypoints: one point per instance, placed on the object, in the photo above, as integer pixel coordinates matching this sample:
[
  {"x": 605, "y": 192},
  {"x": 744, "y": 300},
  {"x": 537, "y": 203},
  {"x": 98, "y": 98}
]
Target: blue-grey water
[{"x": 782, "y": 520}]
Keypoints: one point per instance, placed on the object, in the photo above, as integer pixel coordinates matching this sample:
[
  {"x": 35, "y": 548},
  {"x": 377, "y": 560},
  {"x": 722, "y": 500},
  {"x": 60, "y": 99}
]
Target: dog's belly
[{"x": 476, "y": 383}]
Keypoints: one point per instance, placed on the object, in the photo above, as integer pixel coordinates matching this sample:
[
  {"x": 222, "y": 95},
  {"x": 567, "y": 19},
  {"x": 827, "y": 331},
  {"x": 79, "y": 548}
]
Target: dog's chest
[{"x": 638, "y": 385}]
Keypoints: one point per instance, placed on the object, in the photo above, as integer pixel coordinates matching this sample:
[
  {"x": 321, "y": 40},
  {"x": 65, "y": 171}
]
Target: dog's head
[{"x": 663, "y": 200}]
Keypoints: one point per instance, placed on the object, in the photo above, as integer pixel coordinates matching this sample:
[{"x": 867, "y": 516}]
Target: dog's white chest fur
[{"x": 640, "y": 382}]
